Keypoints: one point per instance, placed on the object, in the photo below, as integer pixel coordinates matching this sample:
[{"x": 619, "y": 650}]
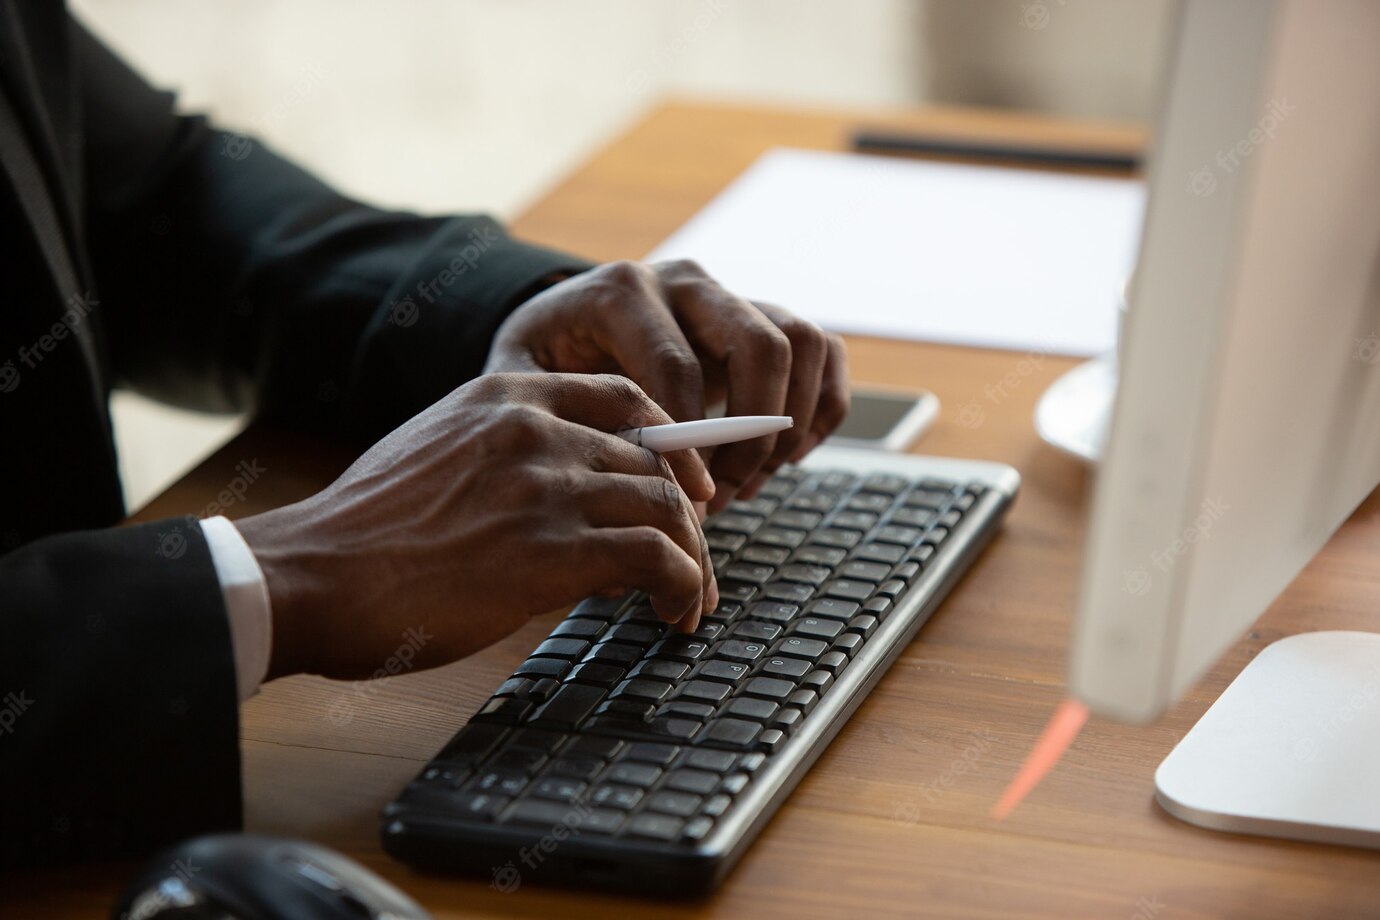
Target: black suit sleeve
[
  {"x": 232, "y": 279},
  {"x": 119, "y": 726}
]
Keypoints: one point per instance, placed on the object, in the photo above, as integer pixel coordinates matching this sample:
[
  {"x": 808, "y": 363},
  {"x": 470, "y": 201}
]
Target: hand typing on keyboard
[
  {"x": 689, "y": 343},
  {"x": 507, "y": 498}
]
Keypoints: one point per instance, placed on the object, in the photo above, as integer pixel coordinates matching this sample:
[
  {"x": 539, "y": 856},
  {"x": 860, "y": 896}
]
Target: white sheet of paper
[{"x": 975, "y": 255}]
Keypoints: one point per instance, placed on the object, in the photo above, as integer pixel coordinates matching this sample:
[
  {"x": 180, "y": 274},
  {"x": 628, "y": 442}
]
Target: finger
[
  {"x": 609, "y": 403},
  {"x": 621, "y": 500},
  {"x": 647, "y": 559},
  {"x": 833, "y": 397},
  {"x": 809, "y": 355},
  {"x": 755, "y": 354},
  {"x": 638, "y": 329}
]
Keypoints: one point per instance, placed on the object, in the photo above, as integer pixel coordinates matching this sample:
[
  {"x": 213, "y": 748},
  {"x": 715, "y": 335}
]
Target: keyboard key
[
  {"x": 849, "y": 590},
  {"x": 828, "y": 556},
  {"x": 848, "y": 643},
  {"x": 698, "y": 828},
  {"x": 880, "y": 552},
  {"x": 780, "y": 536},
  {"x": 736, "y": 783},
  {"x": 614, "y": 796},
  {"x": 644, "y": 752},
  {"x": 885, "y": 483},
  {"x": 637, "y": 688},
  {"x": 542, "y": 690},
  {"x": 901, "y": 536},
  {"x": 764, "y": 555},
  {"x": 678, "y": 648},
  {"x": 578, "y": 766},
  {"x": 771, "y": 740},
  {"x": 759, "y": 632},
  {"x": 936, "y": 535},
  {"x": 704, "y": 691},
  {"x": 633, "y": 774},
  {"x": 803, "y": 647},
  {"x": 680, "y": 804},
  {"x": 480, "y": 806},
  {"x": 864, "y": 624},
  {"x": 716, "y": 805},
  {"x": 569, "y": 649},
  {"x": 750, "y": 762},
  {"x": 819, "y": 502},
  {"x": 787, "y": 668},
  {"x": 470, "y": 745},
  {"x": 833, "y": 662},
  {"x": 745, "y": 707},
  {"x": 773, "y": 611},
  {"x": 515, "y": 686},
  {"x": 673, "y": 729},
  {"x": 498, "y": 782},
  {"x": 815, "y": 628},
  {"x": 731, "y": 732},
  {"x": 601, "y": 820},
  {"x": 769, "y": 688},
  {"x": 558, "y": 788},
  {"x": 805, "y": 574},
  {"x": 740, "y": 650},
  {"x": 950, "y": 519},
  {"x": 700, "y": 782},
  {"x": 727, "y": 522},
  {"x": 874, "y": 503},
  {"x": 739, "y": 592},
  {"x": 892, "y": 589},
  {"x": 600, "y": 608},
  {"x": 879, "y": 607},
  {"x": 797, "y": 519},
  {"x": 578, "y": 629},
  {"x": 724, "y": 542},
  {"x": 642, "y": 634},
  {"x": 832, "y": 608},
  {"x": 524, "y": 760},
  {"x": 614, "y": 653},
  {"x": 727, "y": 612},
  {"x": 708, "y": 632},
  {"x": 912, "y": 517},
  {"x": 543, "y": 667},
  {"x": 657, "y": 669},
  {"x": 717, "y": 761},
  {"x": 570, "y": 706},
  {"x": 503, "y": 710},
  {"x": 855, "y": 520},
  {"x": 759, "y": 506},
  {"x": 905, "y": 571},
  {"x": 837, "y": 537},
  {"x": 788, "y": 592},
  {"x": 657, "y": 827},
  {"x": 746, "y": 571},
  {"x": 921, "y": 554},
  {"x": 818, "y": 681},
  {"x": 729, "y": 672},
  {"x": 859, "y": 569},
  {"x": 787, "y": 718},
  {"x": 804, "y": 700},
  {"x": 687, "y": 709},
  {"x": 634, "y": 710},
  {"x": 928, "y": 498}
]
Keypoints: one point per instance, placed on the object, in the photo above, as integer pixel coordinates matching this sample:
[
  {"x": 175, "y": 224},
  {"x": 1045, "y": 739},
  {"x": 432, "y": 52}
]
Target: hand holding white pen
[{"x": 705, "y": 432}]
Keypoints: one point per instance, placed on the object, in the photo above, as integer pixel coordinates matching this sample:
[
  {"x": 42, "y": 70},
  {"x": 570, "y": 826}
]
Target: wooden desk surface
[{"x": 893, "y": 818}]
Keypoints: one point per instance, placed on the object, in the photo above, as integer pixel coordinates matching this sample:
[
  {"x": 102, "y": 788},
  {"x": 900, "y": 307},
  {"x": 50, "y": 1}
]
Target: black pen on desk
[{"x": 892, "y": 143}]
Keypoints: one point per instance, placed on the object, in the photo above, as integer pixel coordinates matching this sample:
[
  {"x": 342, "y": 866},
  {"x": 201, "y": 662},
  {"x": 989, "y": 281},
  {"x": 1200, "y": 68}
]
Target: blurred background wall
[{"x": 481, "y": 105}]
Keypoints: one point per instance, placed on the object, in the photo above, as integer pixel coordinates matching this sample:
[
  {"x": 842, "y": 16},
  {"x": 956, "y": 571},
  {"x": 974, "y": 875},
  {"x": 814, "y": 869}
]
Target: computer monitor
[{"x": 1247, "y": 420}]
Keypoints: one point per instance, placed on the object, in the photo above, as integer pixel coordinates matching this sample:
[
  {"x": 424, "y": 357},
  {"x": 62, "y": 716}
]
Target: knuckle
[
  {"x": 771, "y": 345},
  {"x": 624, "y": 272}
]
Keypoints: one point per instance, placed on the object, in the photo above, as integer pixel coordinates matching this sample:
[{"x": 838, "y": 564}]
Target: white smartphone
[{"x": 886, "y": 419}]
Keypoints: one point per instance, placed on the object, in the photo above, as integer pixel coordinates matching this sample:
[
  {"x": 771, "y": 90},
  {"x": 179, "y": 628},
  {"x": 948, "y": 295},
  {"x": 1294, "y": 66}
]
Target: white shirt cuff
[{"x": 245, "y": 590}]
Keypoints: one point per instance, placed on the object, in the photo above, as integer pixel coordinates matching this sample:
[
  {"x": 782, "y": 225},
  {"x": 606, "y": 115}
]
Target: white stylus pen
[{"x": 705, "y": 432}]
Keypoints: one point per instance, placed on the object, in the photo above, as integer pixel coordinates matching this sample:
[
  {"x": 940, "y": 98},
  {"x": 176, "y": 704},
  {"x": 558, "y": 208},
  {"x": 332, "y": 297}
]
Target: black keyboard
[{"x": 626, "y": 755}]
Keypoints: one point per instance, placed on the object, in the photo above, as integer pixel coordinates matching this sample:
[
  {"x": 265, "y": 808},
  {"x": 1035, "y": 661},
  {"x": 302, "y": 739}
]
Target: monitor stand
[{"x": 1291, "y": 749}]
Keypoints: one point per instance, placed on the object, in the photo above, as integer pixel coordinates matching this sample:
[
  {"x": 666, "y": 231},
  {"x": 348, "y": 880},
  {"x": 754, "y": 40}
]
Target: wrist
[{"x": 296, "y": 589}]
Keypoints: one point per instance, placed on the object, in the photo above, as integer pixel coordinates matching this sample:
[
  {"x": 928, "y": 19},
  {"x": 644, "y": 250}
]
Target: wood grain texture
[{"x": 892, "y": 821}]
